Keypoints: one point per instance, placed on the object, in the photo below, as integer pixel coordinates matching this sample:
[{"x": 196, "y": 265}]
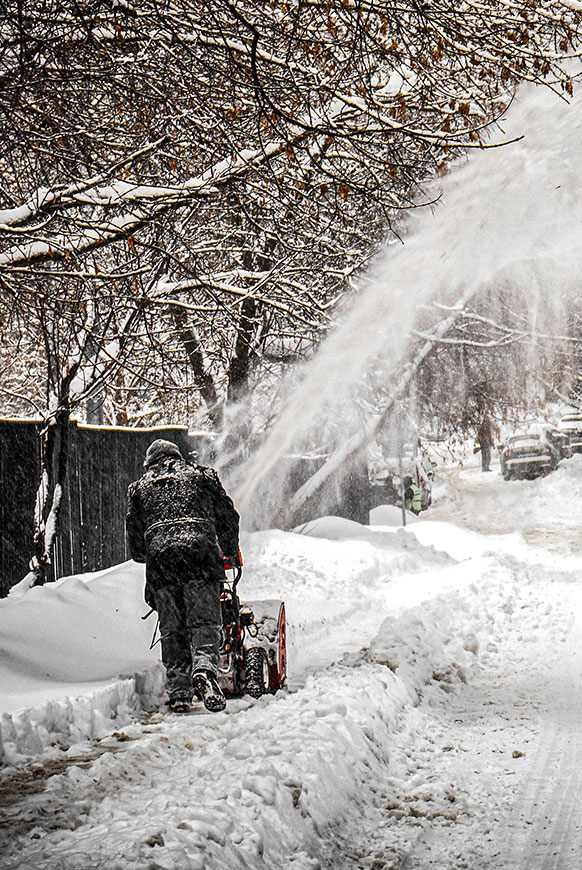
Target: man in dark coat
[
  {"x": 486, "y": 441},
  {"x": 181, "y": 523}
]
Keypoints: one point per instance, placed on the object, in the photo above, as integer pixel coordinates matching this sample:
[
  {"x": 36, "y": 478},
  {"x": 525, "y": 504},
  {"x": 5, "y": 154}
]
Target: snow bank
[
  {"x": 390, "y": 515},
  {"x": 75, "y": 657},
  {"x": 75, "y": 719},
  {"x": 439, "y": 639},
  {"x": 74, "y": 660}
]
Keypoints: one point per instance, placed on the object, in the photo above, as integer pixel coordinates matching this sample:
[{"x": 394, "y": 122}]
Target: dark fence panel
[
  {"x": 19, "y": 471},
  {"x": 102, "y": 463}
]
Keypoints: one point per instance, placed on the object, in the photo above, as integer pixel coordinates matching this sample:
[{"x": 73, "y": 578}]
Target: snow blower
[{"x": 253, "y": 656}]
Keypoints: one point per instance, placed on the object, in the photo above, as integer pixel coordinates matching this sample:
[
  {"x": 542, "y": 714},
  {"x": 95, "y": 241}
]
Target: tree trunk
[
  {"x": 54, "y": 461},
  {"x": 239, "y": 368},
  {"x": 238, "y": 372},
  {"x": 202, "y": 379}
]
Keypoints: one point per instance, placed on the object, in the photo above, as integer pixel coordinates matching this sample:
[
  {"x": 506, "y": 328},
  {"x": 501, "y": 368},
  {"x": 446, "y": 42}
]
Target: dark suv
[
  {"x": 560, "y": 440},
  {"x": 571, "y": 425}
]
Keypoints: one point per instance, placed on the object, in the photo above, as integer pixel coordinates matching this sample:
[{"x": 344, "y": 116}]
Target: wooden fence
[{"x": 102, "y": 463}]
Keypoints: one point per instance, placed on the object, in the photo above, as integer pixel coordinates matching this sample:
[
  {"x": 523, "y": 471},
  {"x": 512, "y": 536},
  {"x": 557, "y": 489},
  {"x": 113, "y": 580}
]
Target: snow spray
[{"x": 507, "y": 216}]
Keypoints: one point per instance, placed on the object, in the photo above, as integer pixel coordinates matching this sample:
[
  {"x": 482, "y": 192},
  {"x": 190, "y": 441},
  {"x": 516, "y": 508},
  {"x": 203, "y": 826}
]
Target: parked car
[
  {"x": 529, "y": 454},
  {"x": 571, "y": 425},
  {"x": 560, "y": 440}
]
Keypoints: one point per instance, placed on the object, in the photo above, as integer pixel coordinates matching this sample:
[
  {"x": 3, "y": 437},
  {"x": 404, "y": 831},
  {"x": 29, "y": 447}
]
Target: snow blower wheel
[{"x": 256, "y": 672}]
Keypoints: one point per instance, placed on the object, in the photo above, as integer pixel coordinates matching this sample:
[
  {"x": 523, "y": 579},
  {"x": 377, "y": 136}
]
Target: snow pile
[
  {"x": 439, "y": 639},
  {"x": 75, "y": 659}
]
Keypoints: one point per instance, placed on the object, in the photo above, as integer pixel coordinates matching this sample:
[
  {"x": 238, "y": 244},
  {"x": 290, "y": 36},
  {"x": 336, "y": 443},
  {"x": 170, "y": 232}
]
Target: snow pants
[{"x": 189, "y": 609}]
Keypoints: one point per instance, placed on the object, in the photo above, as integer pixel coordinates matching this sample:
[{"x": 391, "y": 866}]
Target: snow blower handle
[{"x": 234, "y": 563}]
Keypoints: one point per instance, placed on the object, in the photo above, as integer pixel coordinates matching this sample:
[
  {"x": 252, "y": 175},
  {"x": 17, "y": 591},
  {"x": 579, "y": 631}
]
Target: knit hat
[{"x": 158, "y": 450}]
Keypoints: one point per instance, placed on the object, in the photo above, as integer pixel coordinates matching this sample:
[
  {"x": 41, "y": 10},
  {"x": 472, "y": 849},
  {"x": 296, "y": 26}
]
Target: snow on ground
[
  {"x": 544, "y": 511},
  {"x": 432, "y": 675}
]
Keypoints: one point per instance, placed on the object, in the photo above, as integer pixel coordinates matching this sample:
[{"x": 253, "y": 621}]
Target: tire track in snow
[{"x": 551, "y": 812}]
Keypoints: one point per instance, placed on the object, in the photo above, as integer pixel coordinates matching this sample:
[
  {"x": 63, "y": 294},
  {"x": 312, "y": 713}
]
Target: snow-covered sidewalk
[{"x": 424, "y": 667}]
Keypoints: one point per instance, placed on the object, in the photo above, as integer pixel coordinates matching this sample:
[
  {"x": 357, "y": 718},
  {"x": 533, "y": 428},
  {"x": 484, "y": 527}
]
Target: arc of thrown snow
[{"x": 362, "y": 438}]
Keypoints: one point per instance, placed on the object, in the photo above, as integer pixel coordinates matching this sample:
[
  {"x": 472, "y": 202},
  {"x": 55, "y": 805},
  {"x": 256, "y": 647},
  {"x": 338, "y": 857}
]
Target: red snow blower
[{"x": 253, "y": 656}]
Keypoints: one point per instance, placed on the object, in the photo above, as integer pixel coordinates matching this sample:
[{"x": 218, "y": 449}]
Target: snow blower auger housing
[{"x": 253, "y": 656}]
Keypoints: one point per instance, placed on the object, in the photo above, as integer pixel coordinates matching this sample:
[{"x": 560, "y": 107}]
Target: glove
[{"x": 233, "y": 561}]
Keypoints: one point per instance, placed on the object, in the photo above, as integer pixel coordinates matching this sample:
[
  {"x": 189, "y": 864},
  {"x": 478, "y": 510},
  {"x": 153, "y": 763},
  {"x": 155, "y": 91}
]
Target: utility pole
[{"x": 401, "y": 478}]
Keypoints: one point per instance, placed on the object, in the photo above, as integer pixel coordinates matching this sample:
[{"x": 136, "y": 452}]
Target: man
[
  {"x": 412, "y": 500},
  {"x": 181, "y": 523},
  {"x": 485, "y": 439}
]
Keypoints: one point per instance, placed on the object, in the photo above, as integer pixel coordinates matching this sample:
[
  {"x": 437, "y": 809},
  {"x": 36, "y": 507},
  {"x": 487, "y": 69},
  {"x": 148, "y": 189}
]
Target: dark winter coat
[
  {"x": 485, "y": 433},
  {"x": 178, "y": 506}
]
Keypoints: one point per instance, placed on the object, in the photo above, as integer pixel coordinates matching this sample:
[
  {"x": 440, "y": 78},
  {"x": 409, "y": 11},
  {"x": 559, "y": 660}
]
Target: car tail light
[{"x": 506, "y": 454}]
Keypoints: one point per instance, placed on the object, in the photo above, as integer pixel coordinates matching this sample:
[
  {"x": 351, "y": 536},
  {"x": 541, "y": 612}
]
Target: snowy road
[
  {"x": 552, "y": 525},
  {"x": 525, "y": 800},
  {"x": 552, "y": 795},
  {"x": 432, "y": 719}
]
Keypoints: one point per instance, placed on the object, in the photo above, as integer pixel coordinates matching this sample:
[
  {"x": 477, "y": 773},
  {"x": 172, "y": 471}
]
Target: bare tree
[
  {"x": 259, "y": 151},
  {"x": 202, "y": 179},
  {"x": 493, "y": 360}
]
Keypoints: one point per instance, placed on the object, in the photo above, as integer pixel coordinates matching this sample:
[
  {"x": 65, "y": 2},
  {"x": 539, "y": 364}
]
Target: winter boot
[
  {"x": 206, "y": 689},
  {"x": 179, "y": 704}
]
